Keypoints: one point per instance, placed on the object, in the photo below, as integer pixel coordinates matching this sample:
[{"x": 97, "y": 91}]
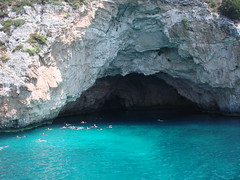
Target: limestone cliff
[{"x": 182, "y": 42}]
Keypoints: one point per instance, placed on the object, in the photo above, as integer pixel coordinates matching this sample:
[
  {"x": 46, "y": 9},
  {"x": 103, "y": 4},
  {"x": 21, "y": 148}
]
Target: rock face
[{"x": 182, "y": 42}]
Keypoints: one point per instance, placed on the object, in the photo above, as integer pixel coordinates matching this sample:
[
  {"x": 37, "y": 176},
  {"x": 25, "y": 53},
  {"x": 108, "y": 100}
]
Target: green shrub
[
  {"x": 3, "y": 14},
  {"x": 67, "y": 16},
  {"x": 231, "y": 9},
  {"x": 57, "y": 3},
  {"x": 7, "y": 25},
  {"x": 2, "y": 46},
  {"x": 5, "y": 57},
  {"x": 18, "y": 22},
  {"x": 37, "y": 39},
  {"x": 31, "y": 52},
  {"x": 2, "y": 43},
  {"x": 213, "y": 3},
  {"x": 75, "y": 3},
  {"x": 11, "y": 22},
  {"x": 185, "y": 22},
  {"x": 4, "y": 4},
  {"x": 18, "y": 6},
  {"x": 18, "y": 48}
]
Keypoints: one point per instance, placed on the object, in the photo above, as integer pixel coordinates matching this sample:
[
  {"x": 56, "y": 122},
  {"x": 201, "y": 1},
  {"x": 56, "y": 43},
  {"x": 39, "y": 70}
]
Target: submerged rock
[{"x": 182, "y": 42}]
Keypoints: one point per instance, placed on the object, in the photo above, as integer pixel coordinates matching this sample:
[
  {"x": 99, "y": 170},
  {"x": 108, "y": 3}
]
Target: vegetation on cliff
[
  {"x": 213, "y": 4},
  {"x": 6, "y": 25},
  {"x": 231, "y": 9},
  {"x": 3, "y": 53},
  {"x": 17, "y": 6},
  {"x": 36, "y": 40}
]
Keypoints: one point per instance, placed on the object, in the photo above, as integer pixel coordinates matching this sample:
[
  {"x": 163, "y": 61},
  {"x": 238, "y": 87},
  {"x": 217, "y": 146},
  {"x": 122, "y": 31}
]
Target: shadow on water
[{"x": 165, "y": 117}]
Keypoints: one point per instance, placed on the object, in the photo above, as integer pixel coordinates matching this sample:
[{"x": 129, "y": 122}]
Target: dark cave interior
[{"x": 130, "y": 92}]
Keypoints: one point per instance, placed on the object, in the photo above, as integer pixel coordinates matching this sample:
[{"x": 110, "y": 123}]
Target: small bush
[
  {"x": 7, "y": 25},
  {"x": 4, "y": 4},
  {"x": 185, "y": 22},
  {"x": 2, "y": 43},
  {"x": 18, "y": 6},
  {"x": 67, "y": 16},
  {"x": 57, "y": 3},
  {"x": 3, "y": 14},
  {"x": 18, "y": 48},
  {"x": 75, "y": 3},
  {"x": 31, "y": 52},
  {"x": 11, "y": 22},
  {"x": 213, "y": 3},
  {"x": 18, "y": 22},
  {"x": 231, "y": 9},
  {"x": 5, "y": 57},
  {"x": 37, "y": 39},
  {"x": 2, "y": 46}
]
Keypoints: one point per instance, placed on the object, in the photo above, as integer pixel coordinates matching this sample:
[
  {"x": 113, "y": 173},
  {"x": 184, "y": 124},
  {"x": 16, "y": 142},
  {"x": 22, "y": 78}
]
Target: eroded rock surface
[{"x": 199, "y": 57}]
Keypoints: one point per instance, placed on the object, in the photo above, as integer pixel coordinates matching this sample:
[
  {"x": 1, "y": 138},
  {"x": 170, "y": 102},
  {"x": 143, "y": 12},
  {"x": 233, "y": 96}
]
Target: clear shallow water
[{"x": 137, "y": 147}]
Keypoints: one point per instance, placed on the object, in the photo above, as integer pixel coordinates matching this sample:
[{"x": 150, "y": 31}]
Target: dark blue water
[{"x": 141, "y": 145}]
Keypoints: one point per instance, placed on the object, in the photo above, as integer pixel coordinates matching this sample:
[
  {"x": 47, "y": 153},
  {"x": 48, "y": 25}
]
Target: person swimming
[
  {"x": 40, "y": 140},
  {"x": 18, "y": 137},
  {"x": 49, "y": 129},
  {"x": 43, "y": 134},
  {"x": 110, "y": 126},
  {"x": 68, "y": 124},
  {"x": 1, "y": 148},
  {"x": 95, "y": 126},
  {"x": 72, "y": 127},
  {"x": 83, "y": 122}
]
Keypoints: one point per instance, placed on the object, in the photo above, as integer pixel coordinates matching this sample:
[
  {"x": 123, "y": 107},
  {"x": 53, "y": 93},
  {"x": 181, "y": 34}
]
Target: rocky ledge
[{"x": 58, "y": 53}]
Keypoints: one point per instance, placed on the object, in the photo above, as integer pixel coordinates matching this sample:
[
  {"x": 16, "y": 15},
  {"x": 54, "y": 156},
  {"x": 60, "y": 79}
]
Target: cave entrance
[{"x": 130, "y": 92}]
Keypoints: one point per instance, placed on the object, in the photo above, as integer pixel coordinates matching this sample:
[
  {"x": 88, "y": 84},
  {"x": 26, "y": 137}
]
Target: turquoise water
[{"x": 141, "y": 146}]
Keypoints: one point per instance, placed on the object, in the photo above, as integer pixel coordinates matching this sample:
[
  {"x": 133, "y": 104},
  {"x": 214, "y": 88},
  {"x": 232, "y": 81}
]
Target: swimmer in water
[
  {"x": 110, "y": 126},
  {"x": 49, "y": 129},
  {"x": 18, "y": 137},
  {"x": 40, "y": 140},
  {"x": 100, "y": 129},
  {"x": 95, "y": 126},
  {"x": 68, "y": 124},
  {"x": 64, "y": 127},
  {"x": 88, "y": 128},
  {"x": 43, "y": 134},
  {"x": 72, "y": 127},
  {"x": 83, "y": 122},
  {"x": 1, "y": 148}
]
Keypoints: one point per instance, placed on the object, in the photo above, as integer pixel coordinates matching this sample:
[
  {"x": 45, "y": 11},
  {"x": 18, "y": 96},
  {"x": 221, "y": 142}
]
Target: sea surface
[{"x": 146, "y": 145}]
